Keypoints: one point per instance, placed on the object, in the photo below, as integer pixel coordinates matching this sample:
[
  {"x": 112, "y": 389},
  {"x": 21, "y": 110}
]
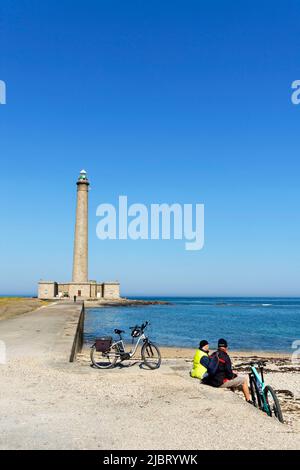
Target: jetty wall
[{"x": 78, "y": 338}]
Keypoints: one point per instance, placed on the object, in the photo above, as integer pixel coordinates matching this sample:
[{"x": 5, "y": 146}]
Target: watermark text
[
  {"x": 296, "y": 93},
  {"x": 2, "y": 352},
  {"x": 296, "y": 354},
  {"x": 2, "y": 92},
  {"x": 156, "y": 222}
]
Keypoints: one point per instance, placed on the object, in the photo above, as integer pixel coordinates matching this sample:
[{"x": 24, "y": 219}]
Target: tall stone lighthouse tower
[
  {"x": 80, "y": 257},
  {"x": 80, "y": 286}
]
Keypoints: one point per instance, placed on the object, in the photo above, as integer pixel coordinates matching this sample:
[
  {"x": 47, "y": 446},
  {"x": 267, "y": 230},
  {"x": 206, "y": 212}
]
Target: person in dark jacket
[{"x": 224, "y": 376}]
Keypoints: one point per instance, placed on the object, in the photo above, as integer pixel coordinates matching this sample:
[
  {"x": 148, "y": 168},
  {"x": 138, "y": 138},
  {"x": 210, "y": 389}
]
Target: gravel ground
[
  {"x": 73, "y": 406},
  {"x": 48, "y": 403}
]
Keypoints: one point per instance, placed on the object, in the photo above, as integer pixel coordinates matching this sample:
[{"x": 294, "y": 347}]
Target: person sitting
[
  {"x": 201, "y": 361},
  {"x": 224, "y": 376}
]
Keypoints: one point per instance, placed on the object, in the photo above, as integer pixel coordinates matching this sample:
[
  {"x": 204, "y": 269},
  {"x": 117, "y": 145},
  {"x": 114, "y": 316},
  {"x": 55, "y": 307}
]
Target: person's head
[
  {"x": 222, "y": 343},
  {"x": 204, "y": 345}
]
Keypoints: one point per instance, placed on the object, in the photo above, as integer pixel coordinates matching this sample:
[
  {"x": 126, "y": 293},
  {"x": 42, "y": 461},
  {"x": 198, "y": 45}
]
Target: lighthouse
[
  {"x": 80, "y": 286},
  {"x": 80, "y": 255}
]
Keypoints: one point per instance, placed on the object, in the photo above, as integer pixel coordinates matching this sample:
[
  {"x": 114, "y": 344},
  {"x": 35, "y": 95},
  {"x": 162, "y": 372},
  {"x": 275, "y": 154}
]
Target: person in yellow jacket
[{"x": 201, "y": 360}]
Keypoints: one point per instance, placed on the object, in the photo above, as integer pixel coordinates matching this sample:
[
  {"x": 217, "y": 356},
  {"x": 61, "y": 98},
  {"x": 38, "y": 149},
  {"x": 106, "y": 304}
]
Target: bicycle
[
  {"x": 105, "y": 353},
  {"x": 263, "y": 396}
]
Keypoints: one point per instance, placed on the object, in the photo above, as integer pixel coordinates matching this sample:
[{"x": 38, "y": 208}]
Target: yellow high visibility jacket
[{"x": 198, "y": 370}]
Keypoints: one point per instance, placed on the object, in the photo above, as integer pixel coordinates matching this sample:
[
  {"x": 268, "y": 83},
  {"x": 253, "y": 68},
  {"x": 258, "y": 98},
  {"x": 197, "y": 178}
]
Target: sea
[{"x": 248, "y": 324}]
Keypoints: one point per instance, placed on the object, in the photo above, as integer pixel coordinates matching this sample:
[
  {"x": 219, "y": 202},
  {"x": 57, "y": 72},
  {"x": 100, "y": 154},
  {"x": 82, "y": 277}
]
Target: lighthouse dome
[{"x": 82, "y": 175}]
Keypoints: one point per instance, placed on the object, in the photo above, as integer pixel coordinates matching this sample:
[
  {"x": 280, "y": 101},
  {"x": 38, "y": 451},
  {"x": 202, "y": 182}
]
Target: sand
[
  {"x": 73, "y": 406},
  {"x": 282, "y": 374},
  {"x": 48, "y": 403}
]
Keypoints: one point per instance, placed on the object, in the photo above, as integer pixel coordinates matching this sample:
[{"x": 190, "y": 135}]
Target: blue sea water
[{"x": 269, "y": 324}]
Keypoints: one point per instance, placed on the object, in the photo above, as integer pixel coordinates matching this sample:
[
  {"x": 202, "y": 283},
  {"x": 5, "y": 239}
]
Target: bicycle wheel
[
  {"x": 273, "y": 403},
  {"x": 105, "y": 360},
  {"x": 151, "y": 355},
  {"x": 255, "y": 395}
]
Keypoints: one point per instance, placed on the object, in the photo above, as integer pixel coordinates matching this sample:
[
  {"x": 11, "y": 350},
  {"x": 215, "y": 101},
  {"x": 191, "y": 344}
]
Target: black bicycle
[{"x": 105, "y": 352}]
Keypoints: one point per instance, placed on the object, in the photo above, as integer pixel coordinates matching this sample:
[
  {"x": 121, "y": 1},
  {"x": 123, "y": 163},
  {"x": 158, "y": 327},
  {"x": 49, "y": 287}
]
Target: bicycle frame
[
  {"x": 132, "y": 352},
  {"x": 259, "y": 378}
]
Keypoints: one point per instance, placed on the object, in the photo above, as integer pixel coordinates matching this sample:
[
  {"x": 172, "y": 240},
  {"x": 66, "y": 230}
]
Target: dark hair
[{"x": 203, "y": 343}]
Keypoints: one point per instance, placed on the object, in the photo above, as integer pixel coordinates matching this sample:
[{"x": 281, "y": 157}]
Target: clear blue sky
[{"x": 175, "y": 101}]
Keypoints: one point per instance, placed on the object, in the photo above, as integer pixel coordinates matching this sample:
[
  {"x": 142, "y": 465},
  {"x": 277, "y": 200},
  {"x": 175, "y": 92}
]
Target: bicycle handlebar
[
  {"x": 142, "y": 327},
  {"x": 259, "y": 363}
]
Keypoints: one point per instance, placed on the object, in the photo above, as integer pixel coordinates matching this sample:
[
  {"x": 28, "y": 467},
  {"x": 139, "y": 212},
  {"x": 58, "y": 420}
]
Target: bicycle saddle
[{"x": 118, "y": 332}]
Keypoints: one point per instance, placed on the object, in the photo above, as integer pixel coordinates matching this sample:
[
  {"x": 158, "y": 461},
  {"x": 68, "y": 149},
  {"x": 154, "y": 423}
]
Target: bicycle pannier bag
[{"x": 103, "y": 344}]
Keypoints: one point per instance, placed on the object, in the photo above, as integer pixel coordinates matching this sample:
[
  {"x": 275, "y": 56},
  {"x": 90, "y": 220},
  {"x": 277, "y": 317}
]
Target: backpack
[{"x": 213, "y": 364}]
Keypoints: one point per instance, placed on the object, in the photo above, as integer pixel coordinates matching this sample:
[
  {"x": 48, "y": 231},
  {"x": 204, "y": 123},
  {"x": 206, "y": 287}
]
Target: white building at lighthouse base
[{"x": 84, "y": 290}]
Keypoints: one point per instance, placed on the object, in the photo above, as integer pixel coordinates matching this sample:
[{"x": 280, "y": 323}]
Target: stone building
[{"x": 80, "y": 285}]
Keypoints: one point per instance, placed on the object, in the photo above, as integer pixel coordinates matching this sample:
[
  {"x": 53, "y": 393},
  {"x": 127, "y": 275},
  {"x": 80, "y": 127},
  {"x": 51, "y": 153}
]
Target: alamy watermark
[
  {"x": 296, "y": 354},
  {"x": 158, "y": 222},
  {"x": 296, "y": 93},
  {"x": 2, "y": 352},
  {"x": 2, "y": 92}
]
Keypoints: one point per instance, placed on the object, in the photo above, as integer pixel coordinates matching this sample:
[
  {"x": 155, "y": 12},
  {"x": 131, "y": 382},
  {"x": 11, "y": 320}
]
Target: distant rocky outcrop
[{"x": 123, "y": 302}]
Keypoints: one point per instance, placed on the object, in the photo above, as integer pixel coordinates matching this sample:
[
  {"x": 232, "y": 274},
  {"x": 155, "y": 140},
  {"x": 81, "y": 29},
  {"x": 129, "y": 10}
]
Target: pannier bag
[{"x": 103, "y": 344}]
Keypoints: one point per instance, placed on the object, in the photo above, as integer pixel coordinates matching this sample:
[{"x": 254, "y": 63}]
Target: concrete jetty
[{"x": 50, "y": 333}]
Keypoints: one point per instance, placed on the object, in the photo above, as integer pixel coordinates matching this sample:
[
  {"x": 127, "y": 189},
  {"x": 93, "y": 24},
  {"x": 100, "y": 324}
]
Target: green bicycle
[{"x": 263, "y": 396}]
